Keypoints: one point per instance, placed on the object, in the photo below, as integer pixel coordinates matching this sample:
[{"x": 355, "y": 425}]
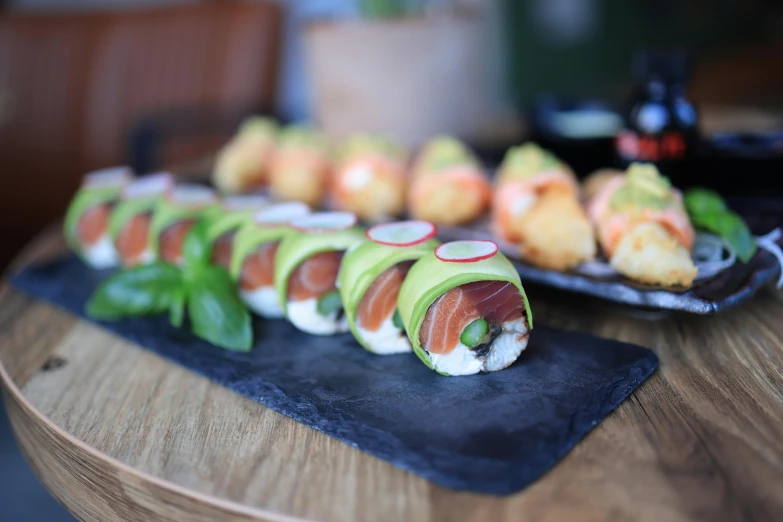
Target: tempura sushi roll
[
  {"x": 175, "y": 215},
  {"x": 449, "y": 185},
  {"x": 369, "y": 180},
  {"x": 242, "y": 165},
  {"x": 306, "y": 267},
  {"x": 301, "y": 166},
  {"x": 129, "y": 224},
  {"x": 465, "y": 310},
  {"x": 234, "y": 212},
  {"x": 643, "y": 227},
  {"x": 86, "y": 225},
  {"x": 370, "y": 278},
  {"x": 253, "y": 256}
]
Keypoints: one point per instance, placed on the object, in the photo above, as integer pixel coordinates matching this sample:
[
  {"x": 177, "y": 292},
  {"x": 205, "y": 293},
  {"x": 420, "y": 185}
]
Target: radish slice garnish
[
  {"x": 109, "y": 177},
  {"x": 244, "y": 202},
  {"x": 466, "y": 251},
  {"x": 280, "y": 213},
  {"x": 402, "y": 233},
  {"x": 192, "y": 195},
  {"x": 324, "y": 222},
  {"x": 149, "y": 186}
]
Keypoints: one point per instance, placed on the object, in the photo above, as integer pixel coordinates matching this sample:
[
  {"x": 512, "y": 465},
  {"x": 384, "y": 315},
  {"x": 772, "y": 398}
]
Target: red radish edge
[
  {"x": 433, "y": 230},
  {"x": 206, "y": 195},
  {"x": 493, "y": 253},
  {"x": 108, "y": 177},
  {"x": 301, "y": 223},
  {"x": 166, "y": 181},
  {"x": 301, "y": 208}
]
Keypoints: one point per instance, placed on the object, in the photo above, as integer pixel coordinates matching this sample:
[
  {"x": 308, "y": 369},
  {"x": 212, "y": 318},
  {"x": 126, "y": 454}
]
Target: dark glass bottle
[{"x": 661, "y": 123}]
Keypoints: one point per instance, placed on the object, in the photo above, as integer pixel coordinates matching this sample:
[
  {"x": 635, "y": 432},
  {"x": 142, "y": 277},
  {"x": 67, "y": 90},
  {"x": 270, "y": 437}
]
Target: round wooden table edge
[{"x": 69, "y": 469}]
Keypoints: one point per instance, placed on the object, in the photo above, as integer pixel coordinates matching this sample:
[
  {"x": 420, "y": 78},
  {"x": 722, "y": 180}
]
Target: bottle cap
[{"x": 668, "y": 65}]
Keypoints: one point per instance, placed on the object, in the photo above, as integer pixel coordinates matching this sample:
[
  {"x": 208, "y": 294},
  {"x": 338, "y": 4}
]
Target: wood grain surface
[{"x": 117, "y": 433}]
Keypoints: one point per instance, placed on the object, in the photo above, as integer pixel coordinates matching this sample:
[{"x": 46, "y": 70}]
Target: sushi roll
[
  {"x": 449, "y": 186},
  {"x": 129, "y": 224},
  {"x": 175, "y": 215},
  {"x": 536, "y": 204},
  {"x": 253, "y": 255},
  {"x": 464, "y": 309},
  {"x": 306, "y": 266},
  {"x": 369, "y": 180},
  {"x": 86, "y": 227},
  {"x": 301, "y": 166},
  {"x": 370, "y": 278},
  {"x": 234, "y": 212},
  {"x": 242, "y": 164},
  {"x": 643, "y": 228}
]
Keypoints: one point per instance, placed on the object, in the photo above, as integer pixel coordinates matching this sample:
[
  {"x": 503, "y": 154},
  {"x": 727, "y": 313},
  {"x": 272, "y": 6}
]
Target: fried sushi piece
[
  {"x": 369, "y": 180},
  {"x": 86, "y": 227},
  {"x": 301, "y": 166},
  {"x": 129, "y": 225},
  {"x": 242, "y": 164},
  {"x": 370, "y": 279},
  {"x": 175, "y": 215},
  {"x": 449, "y": 186},
  {"x": 593, "y": 183},
  {"x": 306, "y": 267},
  {"x": 234, "y": 212},
  {"x": 643, "y": 196},
  {"x": 465, "y": 310},
  {"x": 253, "y": 255}
]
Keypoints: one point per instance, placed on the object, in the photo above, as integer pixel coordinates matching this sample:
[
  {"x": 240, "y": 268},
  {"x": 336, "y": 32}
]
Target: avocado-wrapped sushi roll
[
  {"x": 306, "y": 267},
  {"x": 370, "y": 178},
  {"x": 129, "y": 224},
  {"x": 242, "y": 165},
  {"x": 464, "y": 309},
  {"x": 234, "y": 212},
  {"x": 175, "y": 215},
  {"x": 253, "y": 256},
  {"x": 301, "y": 166},
  {"x": 370, "y": 278},
  {"x": 449, "y": 185},
  {"x": 86, "y": 226}
]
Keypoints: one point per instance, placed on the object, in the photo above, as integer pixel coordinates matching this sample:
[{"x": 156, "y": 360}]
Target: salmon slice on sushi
[
  {"x": 464, "y": 309},
  {"x": 301, "y": 166},
  {"x": 449, "y": 185},
  {"x": 369, "y": 179},
  {"x": 370, "y": 279},
  {"x": 306, "y": 268},
  {"x": 129, "y": 225},
  {"x": 87, "y": 219},
  {"x": 536, "y": 204},
  {"x": 234, "y": 211},
  {"x": 242, "y": 165},
  {"x": 175, "y": 215},
  {"x": 643, "y": 227},
  {"x": 253, "y": 256}
]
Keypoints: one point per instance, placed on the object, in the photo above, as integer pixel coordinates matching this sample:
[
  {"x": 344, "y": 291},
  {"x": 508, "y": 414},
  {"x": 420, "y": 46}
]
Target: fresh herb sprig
[
  {"x": 708, "y": 211},
  {"x": 205, "y": 291}
]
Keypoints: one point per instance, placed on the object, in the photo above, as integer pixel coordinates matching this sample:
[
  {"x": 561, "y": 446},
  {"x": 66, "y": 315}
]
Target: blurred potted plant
[{"x": 409, "y": 69}]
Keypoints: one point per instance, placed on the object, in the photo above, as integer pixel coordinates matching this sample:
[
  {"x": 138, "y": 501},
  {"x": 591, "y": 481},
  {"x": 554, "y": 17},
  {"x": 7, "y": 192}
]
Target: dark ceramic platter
[{"x": 729, "y": 288}]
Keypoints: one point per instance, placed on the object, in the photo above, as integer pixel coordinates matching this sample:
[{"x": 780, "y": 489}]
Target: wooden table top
[{"x": 117, "y": 433}]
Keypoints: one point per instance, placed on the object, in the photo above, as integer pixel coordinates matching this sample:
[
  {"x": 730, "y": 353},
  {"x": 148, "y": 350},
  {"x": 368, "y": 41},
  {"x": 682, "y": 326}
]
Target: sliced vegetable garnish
[
  {"x": 109, "y": 177},
  {"x": 402, "y": 233},
  {"x": 703, "y": 201},
  {"x": 466, "y": 251},
  {"x": 473, "y": 334},
  {"x": 708, "y": 211},
  {"x": 244, "y": 202},
  {"x": 281, "y": 213},
  {"x": 192, "y": 196},
  {"x": 324, "y": 222},
  {"x": 329, "y": 303},
  {"x": 149, "y": 186},
  {"x": 397, "y": 320}
]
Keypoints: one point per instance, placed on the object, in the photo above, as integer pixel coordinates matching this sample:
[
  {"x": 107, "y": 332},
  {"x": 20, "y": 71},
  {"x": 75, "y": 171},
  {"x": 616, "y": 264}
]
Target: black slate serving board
[{"x": 493, "y": 433}]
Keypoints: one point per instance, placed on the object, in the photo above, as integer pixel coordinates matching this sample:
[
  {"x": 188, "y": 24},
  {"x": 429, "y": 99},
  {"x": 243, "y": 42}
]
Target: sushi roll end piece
[
  {"x": 234, "y": 212},
  {"x": 465, "y": 310},
  {"x": 301, "y": 166},
  {"x": 370, "y": 279},
  {"x": 242, "y": 164}
]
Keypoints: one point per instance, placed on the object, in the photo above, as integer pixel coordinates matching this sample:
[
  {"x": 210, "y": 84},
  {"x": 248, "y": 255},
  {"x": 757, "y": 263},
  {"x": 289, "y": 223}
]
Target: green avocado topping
[
  {"x": 644, "y": 187},
  {"x": 528, "y": 160}
]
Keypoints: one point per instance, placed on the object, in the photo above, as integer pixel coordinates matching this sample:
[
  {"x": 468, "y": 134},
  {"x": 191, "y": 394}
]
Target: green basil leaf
[
  {"x": 141, "y": 290},
  {"x": 197, "y": 250},
  {"x": 217, "y": 314},
  {"x": 699, "y": 201},
  {"x": 177, "y": 308},
  {"x": 730, "y": 226}
]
